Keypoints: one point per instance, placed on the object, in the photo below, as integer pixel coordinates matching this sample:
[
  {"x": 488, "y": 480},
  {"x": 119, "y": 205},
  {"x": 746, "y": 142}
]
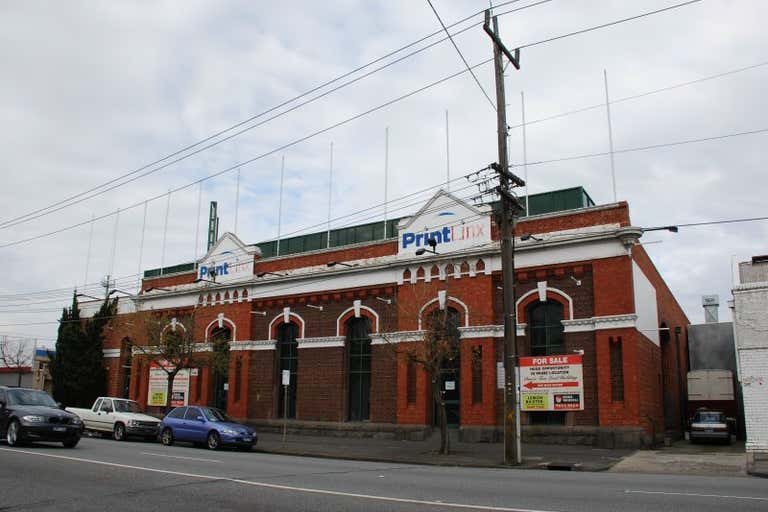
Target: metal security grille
[
  {"x": 359, "y": 356},
  {"x": 288, "y": 348}
]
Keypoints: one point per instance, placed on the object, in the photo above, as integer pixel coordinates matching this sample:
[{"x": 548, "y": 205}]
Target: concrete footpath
[
  {"x": 535, "y": 456},
  {"x": 682, "y": 458}
]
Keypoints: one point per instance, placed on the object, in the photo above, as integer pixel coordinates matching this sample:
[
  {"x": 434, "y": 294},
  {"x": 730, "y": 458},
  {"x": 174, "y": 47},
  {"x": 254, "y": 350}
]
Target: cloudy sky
[{"x": 94, "y": 91}]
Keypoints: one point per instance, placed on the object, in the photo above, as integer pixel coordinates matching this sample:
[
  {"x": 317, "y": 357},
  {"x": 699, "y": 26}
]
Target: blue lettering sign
[{"x": 217, "y": 270}]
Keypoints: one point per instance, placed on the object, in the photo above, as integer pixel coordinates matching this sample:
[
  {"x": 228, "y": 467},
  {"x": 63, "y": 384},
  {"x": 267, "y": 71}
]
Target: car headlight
[
  {"x": 76, "y": 420},
  {"x": 33, "y": 419},
  {"x": 132, "y": 423},
  {"x": 229, "y": 432}
]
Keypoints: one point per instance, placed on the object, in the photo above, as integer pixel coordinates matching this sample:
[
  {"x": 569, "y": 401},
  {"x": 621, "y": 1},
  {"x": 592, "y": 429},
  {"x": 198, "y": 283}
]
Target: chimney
[{"x": 711, "y": 305}]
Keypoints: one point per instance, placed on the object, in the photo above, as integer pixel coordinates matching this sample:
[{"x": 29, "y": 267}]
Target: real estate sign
[
  {"x": 551, "y": 383},
  {"x": 158, "y": 386}
]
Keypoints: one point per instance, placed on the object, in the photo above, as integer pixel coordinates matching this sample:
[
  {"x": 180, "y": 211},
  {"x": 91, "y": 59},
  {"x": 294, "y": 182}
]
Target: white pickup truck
[{"x": 119, "y": 417}]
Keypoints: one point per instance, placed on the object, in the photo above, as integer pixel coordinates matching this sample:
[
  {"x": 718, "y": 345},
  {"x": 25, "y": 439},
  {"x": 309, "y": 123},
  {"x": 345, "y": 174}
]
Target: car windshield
[
  {"x": 30, "y": 397},
  {"x": 212, "y": 414},
  {"x": 711, "y": 417},
  {"x": 126, "y": 406}
]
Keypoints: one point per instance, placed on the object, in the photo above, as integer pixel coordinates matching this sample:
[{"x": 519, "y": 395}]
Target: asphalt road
[{"x": 102, "y": 474}]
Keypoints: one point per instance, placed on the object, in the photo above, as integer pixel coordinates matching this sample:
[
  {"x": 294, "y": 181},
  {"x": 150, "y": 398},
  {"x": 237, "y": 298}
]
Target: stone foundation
[{"x": 345, "y": 429}]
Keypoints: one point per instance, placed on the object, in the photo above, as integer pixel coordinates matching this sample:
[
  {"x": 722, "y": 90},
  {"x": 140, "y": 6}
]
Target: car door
[
  {"x": 105, "y": 415},
  {"x": 197, "y": 429},
  {"x": 4, "y": 412},
  {"x": 91, "y": 417},
  {"x": 175, "y": 421}
]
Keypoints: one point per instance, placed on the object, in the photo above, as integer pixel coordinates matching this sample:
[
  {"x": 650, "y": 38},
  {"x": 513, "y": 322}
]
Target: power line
[
  {"x": 609, "y": 24},
  {"x": 348, "y": 120},
  {"x": 65, "y": 293},
  {"x": 640, "y": 95},
  {"x": 77, "y": 198},
  {"x": 251, "y": 160},
  {"x": 652, "y": 146},
  {"x": 362, "y": 114},
  {"x": 493, "y": 106},
  {"x": 716, "y": 222}
]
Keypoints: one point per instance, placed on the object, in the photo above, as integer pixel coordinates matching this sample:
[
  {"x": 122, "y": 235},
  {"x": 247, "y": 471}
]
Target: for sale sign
[
  {"x": 551, "y": 383},
  {"x": 158, "y": 386}
]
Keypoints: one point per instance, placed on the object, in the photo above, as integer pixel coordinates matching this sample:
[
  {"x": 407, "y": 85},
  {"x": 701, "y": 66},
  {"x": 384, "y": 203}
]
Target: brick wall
[
  {"x": 262, "y": 385},
  {"x": 484, "y": 412},
  {"x": 374, "y": 250},
  {"x": 573, "y": 220},
  {"x": 673, "y": 356},
  {"x": 164, "y": 281},
  {"x": 754, "y": 380},
  {"x": 751, "y": 304},
  {"x": 383, "y": 384},
  {"x": 321, "y": 392}
]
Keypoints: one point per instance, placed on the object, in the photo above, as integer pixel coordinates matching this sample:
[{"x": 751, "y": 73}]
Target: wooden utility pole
[{"x": 509, "y": 208}]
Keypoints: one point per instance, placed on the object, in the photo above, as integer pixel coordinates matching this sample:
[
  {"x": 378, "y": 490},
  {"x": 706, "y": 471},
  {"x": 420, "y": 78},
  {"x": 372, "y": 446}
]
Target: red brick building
[{"x": 584, "y": 287}]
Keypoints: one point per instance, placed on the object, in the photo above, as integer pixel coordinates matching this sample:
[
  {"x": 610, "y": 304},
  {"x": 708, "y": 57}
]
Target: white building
[{"x": 750, "y": 311}]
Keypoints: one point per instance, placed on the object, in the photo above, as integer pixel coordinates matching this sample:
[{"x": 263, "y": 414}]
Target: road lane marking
[
  {"x": 178, "y": 457},
  {"x": 724, "y": 496},
  {"x": 282, "y": 487}
]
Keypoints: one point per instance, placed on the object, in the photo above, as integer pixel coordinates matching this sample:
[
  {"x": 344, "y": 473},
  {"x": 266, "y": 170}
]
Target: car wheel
[
  {"x": 119, "y": 432},
  {"x": 71, "y": 443},
  {"x": 166, "y": 437},
  {"x": 13, "y": 435},
  {"x": 214, "y": 441}
]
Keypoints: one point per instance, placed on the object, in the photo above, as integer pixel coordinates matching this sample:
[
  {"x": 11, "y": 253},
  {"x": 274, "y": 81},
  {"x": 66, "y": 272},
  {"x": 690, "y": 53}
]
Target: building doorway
[
  {"x": 220, "y": 339},
  {"x": 288, "y": 360},
  {"x": 359, "y": 368},
  {"x": 449, "y": 378}
]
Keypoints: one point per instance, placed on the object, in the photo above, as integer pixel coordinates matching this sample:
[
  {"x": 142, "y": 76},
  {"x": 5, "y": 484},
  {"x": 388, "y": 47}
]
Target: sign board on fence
[
  {"x": 551, "y": 383},
  {"x": 286, "y": 377},
  {"x": 158, "y": 387}
]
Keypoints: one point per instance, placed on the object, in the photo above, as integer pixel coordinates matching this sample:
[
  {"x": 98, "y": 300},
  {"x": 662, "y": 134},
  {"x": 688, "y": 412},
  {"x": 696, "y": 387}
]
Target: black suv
[{"x": 32, "y": 415}]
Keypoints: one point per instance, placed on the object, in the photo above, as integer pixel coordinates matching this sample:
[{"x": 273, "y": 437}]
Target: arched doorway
[
  {"x": 546, "y": 336},
  {"x": 287, "y": 360},
  {"x": 220, "y": 338},
  {"x": 359, "y": 368},
  {"x": 126, "y": 350},
  {"x": 449, "y": 380}
]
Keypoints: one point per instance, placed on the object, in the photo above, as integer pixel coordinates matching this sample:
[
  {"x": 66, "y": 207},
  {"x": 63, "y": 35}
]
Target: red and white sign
[
  {"x": 157, "y": 389},
  {"x": 551, "y": 383}
]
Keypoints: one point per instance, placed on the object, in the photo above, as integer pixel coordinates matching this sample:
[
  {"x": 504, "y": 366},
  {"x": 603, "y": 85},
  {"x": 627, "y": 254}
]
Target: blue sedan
[{"x": 205, "y": 425}]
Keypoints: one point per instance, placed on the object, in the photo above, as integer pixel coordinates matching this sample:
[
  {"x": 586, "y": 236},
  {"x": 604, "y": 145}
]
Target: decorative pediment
[
  {"x": 453, "y": 224},
  {"x": 229, "y": 259}
]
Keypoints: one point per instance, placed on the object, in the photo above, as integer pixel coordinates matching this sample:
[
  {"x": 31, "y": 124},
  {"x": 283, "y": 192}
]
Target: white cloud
[{"x": 98, "y": 90}]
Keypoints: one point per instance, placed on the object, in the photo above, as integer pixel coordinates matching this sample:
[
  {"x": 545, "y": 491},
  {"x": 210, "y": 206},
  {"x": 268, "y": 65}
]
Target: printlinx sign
[{"x": 451, "y": 223}]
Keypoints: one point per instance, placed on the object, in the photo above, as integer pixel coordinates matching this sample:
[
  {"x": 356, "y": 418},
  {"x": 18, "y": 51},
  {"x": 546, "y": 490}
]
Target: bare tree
[
  {"x": 171, "y": 345},
  {"x": 14, "y": 354},
  {"x": 436, "y": 345}
]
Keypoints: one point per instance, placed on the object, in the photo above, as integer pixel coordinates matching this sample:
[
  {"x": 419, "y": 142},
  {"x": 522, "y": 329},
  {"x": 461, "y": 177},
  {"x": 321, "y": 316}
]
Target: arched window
[
  {"x": 445, "y": 325},
  {"x": 220, "y": 338},
  {"x": 546, "y": 328},
  {"x": 288, "y": 360},
  {"x": 359, "y": 358},
  {"x": 127, "y": 357},
  {"x": 546, "y": 336}
]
